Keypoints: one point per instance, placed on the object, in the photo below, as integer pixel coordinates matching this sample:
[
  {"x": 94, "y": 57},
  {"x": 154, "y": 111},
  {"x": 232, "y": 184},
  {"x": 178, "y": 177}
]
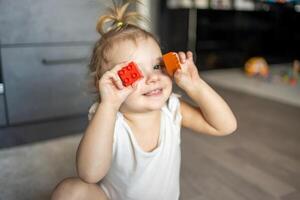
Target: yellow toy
[{"x": 257, "y": 66}]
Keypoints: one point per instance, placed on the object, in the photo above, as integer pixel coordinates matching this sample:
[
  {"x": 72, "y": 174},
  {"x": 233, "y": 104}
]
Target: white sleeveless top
[{"x": 136, "y": 174}]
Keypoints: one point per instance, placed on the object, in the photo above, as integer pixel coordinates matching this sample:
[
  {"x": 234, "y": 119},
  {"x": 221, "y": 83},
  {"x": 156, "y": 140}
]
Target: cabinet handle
[
  {"x": 63, "y": 61},
  {"x": 1, "y": 88}
]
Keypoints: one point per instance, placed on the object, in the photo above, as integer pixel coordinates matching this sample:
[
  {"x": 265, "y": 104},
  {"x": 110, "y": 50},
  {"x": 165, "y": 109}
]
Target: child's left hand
[{"x": 188, "y": 75}]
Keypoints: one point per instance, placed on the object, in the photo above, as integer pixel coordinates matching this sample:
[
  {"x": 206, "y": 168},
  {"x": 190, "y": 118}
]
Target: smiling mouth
[{"x": 155, "y": 92}]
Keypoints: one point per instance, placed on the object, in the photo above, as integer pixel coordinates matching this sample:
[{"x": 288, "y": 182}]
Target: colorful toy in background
[
  {"x": 291, "y": 75},
  {"x": 257, "y": 66},
  {"x": 279, "y": 1}
]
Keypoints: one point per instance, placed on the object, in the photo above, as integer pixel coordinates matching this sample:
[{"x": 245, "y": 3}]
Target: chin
[
  {"x": 156, "y": 104},
  {"x": 150, "y": 105},
  {"x": 145, "y": 105}
]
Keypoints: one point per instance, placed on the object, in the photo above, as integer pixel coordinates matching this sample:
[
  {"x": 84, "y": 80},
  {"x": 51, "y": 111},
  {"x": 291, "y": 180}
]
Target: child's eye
[{"x": 158, "y": 66}]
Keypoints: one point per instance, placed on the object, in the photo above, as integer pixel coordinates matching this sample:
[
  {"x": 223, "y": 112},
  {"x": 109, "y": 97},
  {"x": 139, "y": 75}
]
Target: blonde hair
[{"x": 117, "y": 25}]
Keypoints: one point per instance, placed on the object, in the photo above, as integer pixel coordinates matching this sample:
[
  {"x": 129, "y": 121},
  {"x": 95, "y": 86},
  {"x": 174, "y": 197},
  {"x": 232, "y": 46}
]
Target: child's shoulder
[
  {"x": 93, "y": 109},
  {"x": 172, "y": 107},
  {"x": 173, "y": 101}
]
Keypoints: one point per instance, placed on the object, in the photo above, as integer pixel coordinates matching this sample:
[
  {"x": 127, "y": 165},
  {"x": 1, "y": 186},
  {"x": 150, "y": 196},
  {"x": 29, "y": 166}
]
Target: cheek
[
  {"x": 167, "y": 80},
  {"x": 133, "y": 96},
  {"x": 167, "y": 83}
]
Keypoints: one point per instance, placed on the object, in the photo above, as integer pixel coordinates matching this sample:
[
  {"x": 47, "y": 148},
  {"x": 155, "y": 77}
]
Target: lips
[{"x": 154, "y": 92}]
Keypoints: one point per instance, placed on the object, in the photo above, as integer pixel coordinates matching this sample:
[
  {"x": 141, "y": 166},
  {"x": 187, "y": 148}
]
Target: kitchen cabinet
[
  {"x": 46, "y": 81},
  {"x": 45, "y": 46},
  {"x": 49, "y": 21}
]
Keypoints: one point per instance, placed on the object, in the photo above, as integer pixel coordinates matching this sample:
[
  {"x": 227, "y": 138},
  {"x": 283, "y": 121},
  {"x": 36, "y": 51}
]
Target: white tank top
[{"x": 136, "y": 174}]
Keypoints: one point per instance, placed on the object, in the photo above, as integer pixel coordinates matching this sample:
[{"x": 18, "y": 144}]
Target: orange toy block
[{"x": 171, "y": 62}]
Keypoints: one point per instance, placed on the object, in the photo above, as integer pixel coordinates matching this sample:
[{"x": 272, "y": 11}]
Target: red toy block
[
  {"x": 171, "y": 62},
  {"x": 129, "y": 74}
]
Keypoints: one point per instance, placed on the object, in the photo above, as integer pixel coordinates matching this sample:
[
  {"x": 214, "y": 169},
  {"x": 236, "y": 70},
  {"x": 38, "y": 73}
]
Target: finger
[
  {"x": 177, "y": 74},
  {"x": 114, "y": 78},
  {"x": 131, "y": 88},
  {"x": 117, "y": 81},
  {"x": 136, "y": 84},
  {"x": 189, "y": 55},
  {"x": 106, "y": 76},
  {"x": 182, "y": 57}
]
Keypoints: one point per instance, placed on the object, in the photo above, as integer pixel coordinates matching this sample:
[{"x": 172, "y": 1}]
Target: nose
[{"x": 152, "y": 77}]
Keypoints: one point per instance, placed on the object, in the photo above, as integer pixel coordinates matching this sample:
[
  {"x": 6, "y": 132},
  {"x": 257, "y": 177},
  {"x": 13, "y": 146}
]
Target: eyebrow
[
  {"x": 158, "y": 59},
  {"x": 155, "y": 60}
]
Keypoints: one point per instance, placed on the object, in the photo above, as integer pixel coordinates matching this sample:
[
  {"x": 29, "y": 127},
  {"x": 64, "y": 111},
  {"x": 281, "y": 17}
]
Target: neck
[{"x": 143, "y": 120}]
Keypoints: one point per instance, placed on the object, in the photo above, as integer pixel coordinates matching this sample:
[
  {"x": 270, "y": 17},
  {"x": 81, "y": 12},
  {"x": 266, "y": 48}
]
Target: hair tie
[{"x": 120, "y": 24}]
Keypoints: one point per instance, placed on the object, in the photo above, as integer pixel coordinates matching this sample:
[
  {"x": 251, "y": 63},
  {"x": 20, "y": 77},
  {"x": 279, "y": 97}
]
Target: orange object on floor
[
  {"x": 257, "y": 66},
  {"x": 171, "y": 62}
]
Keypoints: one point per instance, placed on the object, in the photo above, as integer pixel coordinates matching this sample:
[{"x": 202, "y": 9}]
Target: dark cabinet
[
  {"x": 44, "y": 51},
  {"x": 45, "y": 82},
  {"x": 49, "y": 21},
  {"x": 228, "y": 38}
]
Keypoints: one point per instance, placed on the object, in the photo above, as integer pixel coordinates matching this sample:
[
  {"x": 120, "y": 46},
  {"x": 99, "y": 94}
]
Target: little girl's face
[{"x": 154, "y": 89}]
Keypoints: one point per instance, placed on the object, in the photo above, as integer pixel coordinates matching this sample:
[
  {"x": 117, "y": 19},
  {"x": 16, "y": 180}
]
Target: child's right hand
[{"x": 111, "y": 89}]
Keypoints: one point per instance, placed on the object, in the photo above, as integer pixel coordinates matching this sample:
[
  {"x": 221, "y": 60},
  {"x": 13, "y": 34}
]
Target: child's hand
[
  {"x": 188, "y": 75},
  {"x": 111, "y": 89}
]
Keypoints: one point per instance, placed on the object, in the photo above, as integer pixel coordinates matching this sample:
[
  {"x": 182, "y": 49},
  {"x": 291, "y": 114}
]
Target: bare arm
[
  {"x": 212, "y": 115},
  {"x": 94, "y": 154}
]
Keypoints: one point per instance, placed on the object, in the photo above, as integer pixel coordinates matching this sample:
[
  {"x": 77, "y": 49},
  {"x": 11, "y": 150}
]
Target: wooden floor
[{"x": 260, "y": 161}]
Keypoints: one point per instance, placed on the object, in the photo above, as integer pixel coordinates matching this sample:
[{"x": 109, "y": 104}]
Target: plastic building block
[
  {"x": 171, "y": 62},
  {"x": 129, "y": 74}
]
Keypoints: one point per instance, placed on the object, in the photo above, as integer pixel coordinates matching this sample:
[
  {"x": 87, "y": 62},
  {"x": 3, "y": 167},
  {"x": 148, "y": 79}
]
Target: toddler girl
[{"x": 131, "y": 147}]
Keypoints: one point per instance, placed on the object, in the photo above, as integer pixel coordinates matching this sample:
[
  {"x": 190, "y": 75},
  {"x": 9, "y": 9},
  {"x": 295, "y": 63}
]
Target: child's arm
[
  {"x": 94, "y": 153},
  {"x": 212, "y": 114}
]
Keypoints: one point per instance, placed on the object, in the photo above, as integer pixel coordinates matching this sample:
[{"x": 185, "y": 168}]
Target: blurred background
[{"x": 247, "y": 50}]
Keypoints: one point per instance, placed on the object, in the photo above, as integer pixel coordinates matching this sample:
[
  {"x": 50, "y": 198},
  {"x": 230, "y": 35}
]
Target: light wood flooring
[{"x": 260, "y": 161}]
